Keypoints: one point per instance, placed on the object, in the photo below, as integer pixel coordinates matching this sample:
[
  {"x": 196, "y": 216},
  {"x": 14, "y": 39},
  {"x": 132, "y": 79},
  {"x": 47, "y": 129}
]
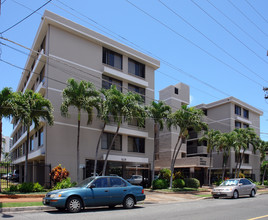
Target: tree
[
  {"x": 245, "y": 137},
  {"x": 184, "y": 119},
  {"x": 263, "y": 148},
  {"x": 31, "y": 107},
  {"x": 5, "y": 109},
  {"x": 83, "y": 96},
  {"x": 212, "y": 139},
  {"x": 123, "y": 107},
  {"x": 225, "y": 143},
  {"x": 158, "y": 111}
]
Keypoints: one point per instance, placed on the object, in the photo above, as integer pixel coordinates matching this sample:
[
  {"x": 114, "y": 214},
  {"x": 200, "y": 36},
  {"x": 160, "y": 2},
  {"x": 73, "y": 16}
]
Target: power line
[
  {"x": 256, "y": 11},
  {"x": 229, "y": 32},
  {"x": 248, "y": 18},
  {"x": 25, "y": 17},
  {"x": 215, "y": 44},
  {"x": 239, "y": 27}
]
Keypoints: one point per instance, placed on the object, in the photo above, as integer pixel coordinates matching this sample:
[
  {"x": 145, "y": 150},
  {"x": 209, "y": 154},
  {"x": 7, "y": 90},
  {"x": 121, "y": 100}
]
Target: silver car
[{"x": 234, "y": 188}]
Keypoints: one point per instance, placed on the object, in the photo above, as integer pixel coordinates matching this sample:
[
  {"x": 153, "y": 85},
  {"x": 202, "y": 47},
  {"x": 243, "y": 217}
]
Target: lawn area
[
  {"x": 185, "y": 189},
  {"x": 204, "y": 195},
  {"x": 19, "y": 204}
]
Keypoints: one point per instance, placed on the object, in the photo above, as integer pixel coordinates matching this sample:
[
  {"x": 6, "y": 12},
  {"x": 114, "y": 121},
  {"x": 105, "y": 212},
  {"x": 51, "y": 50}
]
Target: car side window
[
  {"x": 247, "y": 182},
  {"x": 101, "y": 183},
  {"x": 117, "y": 182}
]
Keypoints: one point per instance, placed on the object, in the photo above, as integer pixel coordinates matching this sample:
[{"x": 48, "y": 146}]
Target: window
[
  {"x": 136, "y": 144},
  {"x": 107, "y": 139},
  {"x": 138, "y": 90},
  {"x": 237, "y": 124},
  {"x": 237, "y": 110},
  {"x": 176, "y": 91},
  {"x": 112, "y": 58},
  {"x": 116, "y": 182},
  {"x": 108, "y": 81},
  {"x": 42, "y": 75},
  {"x": 245, "y": 125},
  {"x": 41, "y": 137},
  {"x": 245, "y": 113},
  {"x": 32, "y": 143},
  {"x": 101, "y": 183},
  {"x": 136, "y": 68},
  {"x": 246, "y": 158}
]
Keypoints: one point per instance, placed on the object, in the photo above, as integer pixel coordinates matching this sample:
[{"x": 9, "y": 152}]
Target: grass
[
  {"x": 204, "y": 195},
  {"x": 185, "y": 189},
  {"x": 19, "y": 204}
]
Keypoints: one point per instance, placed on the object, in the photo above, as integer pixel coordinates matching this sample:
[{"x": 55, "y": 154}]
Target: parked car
[
  {"x": 137, "y": 180},
  {"x": 15, "y": 175},
  {"x": 6, "y": 176},
  {"x": 234, "y": 188},
  {"x": 96, "y": 191}
]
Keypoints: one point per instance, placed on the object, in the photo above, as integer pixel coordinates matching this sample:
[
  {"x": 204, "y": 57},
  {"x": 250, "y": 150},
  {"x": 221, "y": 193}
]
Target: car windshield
[
  {"x": 85, "y": 182},
  {"x": 230, "y": 183}
]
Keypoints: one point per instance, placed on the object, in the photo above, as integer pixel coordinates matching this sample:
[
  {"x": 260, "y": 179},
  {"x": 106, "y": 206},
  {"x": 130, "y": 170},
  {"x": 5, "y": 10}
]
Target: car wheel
[
  {"x": 252, "y": 193},
  {"x": 129, "y": 202},
  {"x": 215, "y": 197},
  {"x": 74, "y": 204},
  {"x": 235, "y": 195},
  {"x": 111, "y": 206}
]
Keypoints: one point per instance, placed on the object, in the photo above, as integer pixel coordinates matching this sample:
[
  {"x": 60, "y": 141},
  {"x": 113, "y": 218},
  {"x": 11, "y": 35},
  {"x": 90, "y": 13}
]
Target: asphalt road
[{"x": 242, "y": 208}]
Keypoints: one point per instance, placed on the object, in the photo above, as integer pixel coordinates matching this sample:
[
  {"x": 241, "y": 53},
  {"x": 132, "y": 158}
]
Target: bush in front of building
[
  {"x": 65, "y": 183},
  {"x": 178, "y": 175},
  {"x": 26, "y": 188},
  {"x": 178, "y": 183},
  {"x": 160, "y": 184},
  {"x": 192, "y": 182},
  {"x": 164, "y": 174},
  {"x": 58, "y": 174}
]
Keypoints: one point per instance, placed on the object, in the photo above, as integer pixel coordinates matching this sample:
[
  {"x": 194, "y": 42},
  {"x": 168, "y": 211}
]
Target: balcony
[{"x": 192, "y": 162}]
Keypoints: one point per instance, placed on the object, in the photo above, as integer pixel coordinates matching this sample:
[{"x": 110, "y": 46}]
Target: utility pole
[{"x": 265, "y": 89}]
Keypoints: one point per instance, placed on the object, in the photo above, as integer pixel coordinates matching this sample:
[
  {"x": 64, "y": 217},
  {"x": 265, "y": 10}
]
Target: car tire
[
  {"x": 235, "y": 194},
  {"x": 129, "y": 202},
  {"x": 252, "y": 193},
  {"x": 74, "y": 204},
  {"x": 215, "y": 197},
  {"x": 111, "y": 206}
]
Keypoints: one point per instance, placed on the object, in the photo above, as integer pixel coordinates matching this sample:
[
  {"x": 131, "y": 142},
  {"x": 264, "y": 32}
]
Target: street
[{"x": 242, "y": 208}]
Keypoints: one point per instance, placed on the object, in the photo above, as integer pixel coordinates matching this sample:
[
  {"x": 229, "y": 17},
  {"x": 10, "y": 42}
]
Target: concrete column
[
  {"x": 191, "y": 172},
  {"x": 34, "y": 171}
]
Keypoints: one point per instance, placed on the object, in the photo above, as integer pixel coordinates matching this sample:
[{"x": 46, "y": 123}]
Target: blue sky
[{"x": 219, "y": 50}]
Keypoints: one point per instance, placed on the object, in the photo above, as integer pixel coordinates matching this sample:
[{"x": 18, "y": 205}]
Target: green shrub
[
  {"x": 178, "y": 183},
  {"x": 192, "y": 182},
  {"x": 178, "y": 175},
  {"x": 218, "y": 182},
  {"x": 38, "y": 188},
  {"x": 26, "y": 187},
  {"x": 164, "y": 174},
  {"x": 65, "y": 183},
  {"x": 160, "y": 184},
  {"x": 265, "y": 182},
  {"x": 13, "y": 188}
]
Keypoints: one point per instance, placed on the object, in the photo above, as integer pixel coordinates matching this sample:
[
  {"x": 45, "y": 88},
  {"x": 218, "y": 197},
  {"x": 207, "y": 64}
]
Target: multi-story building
[
  {"x": 191, "y": 165},
  {"x": 61, "y": 50},
  {"x": 225, "y": 115},
  {"x": 6, "y": 142}
]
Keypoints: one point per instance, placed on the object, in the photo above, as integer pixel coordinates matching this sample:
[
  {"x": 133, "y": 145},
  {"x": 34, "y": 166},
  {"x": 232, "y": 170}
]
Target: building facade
[
  {"x": 225, "y": 115},
  {"x": 6, "y": 144},
  {"x": 61, "y": 50}
]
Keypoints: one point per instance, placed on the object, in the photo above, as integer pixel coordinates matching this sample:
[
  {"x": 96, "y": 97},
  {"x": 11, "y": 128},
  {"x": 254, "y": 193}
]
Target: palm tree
[
  {"x": 123, "y": 107},
  {"x": 158, "y": 111},
  {"x": 212, "y": 139},
  {"x": 263, "y": 148},
  {"x": 5, "y": 109},
  {"x": 83, "y": 96},
  {"x": 245, "y": 137},
  {"x": 184, "y": 119},
  {"x": 225, "y": 143},
  {"x": 31, "y": 107}
]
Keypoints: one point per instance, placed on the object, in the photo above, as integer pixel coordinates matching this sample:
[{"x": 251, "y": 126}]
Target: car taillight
[{"x": 142, "y": 191}]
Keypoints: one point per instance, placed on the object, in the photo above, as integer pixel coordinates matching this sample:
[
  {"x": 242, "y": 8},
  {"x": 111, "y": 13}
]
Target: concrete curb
[{"x": 27, "y": 208}]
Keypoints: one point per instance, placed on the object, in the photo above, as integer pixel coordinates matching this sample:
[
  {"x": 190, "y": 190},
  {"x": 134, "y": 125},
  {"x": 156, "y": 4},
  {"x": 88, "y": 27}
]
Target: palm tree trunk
[
  {"x": 1, "y": 137},
  {"x": 240, "y": 162},
  {"x": 26, "y": 155},
  {"x": 77, "y": 146},
  {"x": 173, "y": 160},
  {"x": 97, "y": 150},
  {"x": 263, "y": 176},
  {"x": 109, "y": 149},
  {"x": 210, "y": 164},
  {"x": 236, "y": 165},
  {"x": 156, "y": 149}
]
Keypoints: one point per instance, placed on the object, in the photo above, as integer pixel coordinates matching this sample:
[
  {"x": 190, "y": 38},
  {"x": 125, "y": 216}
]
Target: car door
[
  {"x": 118, "y": 190},
  {"x": 248, "y": 186},
  {"x": 100, "y": 193},
  {"x": 242, "y": 187}
]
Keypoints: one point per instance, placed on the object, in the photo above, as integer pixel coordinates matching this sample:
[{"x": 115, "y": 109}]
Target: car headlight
[
  {"x": 55, "y": 195},
  {"x": 228, "y": 189}
]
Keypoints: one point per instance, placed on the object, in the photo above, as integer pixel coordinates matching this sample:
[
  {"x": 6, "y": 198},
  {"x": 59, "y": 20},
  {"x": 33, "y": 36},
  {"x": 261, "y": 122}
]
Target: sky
[{"x": 217, "y": 47}]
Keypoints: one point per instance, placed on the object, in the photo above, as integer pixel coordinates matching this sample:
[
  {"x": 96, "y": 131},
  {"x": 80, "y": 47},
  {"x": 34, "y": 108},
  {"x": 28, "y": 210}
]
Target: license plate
[{"x": 218, "y": 193}]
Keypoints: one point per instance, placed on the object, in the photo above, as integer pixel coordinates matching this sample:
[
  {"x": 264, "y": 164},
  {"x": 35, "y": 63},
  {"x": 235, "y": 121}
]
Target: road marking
[{"x": 258, "y": 217}]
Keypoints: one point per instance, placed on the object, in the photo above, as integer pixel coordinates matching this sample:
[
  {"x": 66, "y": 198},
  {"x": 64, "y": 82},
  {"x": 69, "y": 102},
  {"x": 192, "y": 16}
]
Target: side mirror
[
  {"x": 92, "y": 186},
  {"x": 240, "y": 184}
]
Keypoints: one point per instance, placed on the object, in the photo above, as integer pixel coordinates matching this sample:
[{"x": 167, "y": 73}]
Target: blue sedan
[{"x": 96, "y": 191}]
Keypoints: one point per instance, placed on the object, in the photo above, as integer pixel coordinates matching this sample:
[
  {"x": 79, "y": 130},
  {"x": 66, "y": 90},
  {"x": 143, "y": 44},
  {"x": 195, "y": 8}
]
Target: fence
[{"x": 12, "y": 174}]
